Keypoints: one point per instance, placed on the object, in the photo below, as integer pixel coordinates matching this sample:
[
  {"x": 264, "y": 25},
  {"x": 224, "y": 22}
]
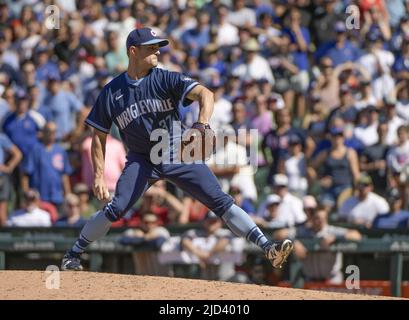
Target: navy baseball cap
[{"x": 144, "y": 36}]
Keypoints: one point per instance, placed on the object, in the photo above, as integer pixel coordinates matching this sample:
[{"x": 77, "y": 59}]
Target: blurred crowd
[{"x": 329, "y": 100}]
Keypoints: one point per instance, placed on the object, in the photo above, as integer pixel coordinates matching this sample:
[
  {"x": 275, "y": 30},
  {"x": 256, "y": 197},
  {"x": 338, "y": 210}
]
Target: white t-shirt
[
  {"x": 402, "y": 108},
  {"x": 222, "y": 114},
  {"x": 355, "y": 210},
  {"x": 370, "y": 61},
  {"x": 34, "y": 218},
  {"x": 235, "y": 154},
  {"x": 295, "y": 170},
  {"x": 290, "y": 211},
  {"x": 242, "y": 17},
  {"x": 227, "y": 35},
  {"x": 362, "y": 104},
  {"x": 393, "y": 125},
  {"x": 257, "y": 69},
  {"x": 367, "y": 135},
  {"x": 383, "y": 86},
  {"x": 398, "y": 157}
]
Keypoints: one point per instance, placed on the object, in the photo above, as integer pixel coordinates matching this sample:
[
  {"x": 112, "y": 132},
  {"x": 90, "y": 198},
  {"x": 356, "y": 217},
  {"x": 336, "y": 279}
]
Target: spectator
[
  {"x": 230, "y": 164},
  {"x": 398, "y": 156},
  {"x": 149, "y": 234},
  {"x": 263, "y": 119},
  {"x": 290, "y": 210},
  {"x": 241, "y": 16},
  {"x": 101, "y": 77},
  {"x": 396, "y": 218},
  {"x": 376, "y": 57},
  {"x": 116, "y": 58},
  {"x": 71, "y": 213},
  {"x": 10, "y": 156},
  {"x": 223, "y": 106},
  {"x": 197, "y": 38},
  {"x": 64, "y": 107},
  {"x": 288, "y": 77},
  {"x": 115, "y": 161},
  {"x": 276, "y": 141},
  {"x": 362, "y": 208},
  {"x": 339, "y": 168},
  {"x": 346, "y": 109},
  {"x": 373, "y": 159},
  {"x": 400, "y": 66},
  {"x": 193, "y": 210},
  {"x": 271, "y": 217},
  {"x": 258, "y": 272},
  {"x": 81, "y": 190},
  {"x": 393, "y": 120},
  {"x": 294, "y": 166},
  {"x": 402, "y": 106},
  {"x": 376, "y": 19},
  {"x": 366, "y": 126},
  {"x": 341, "y": 50},
  {"x": 326, "y": 87},
  {"x": 322, "y": 265},
  {"x": 30, "y": 215},
  {"x": 227, "y": 33},
  {"x": 324, "y": 17},
  {"x": 254, "y": 66},
  {"x": 47, "y": 168},
  {"x": 309, "y": 206},
  {"x": 244, "y": 203},
  {"x": 205, "y": 244},
  {"x": 300, "y": 42},
  {"x": 23, "y": 125},
  {"x": 162, "y": 203}
]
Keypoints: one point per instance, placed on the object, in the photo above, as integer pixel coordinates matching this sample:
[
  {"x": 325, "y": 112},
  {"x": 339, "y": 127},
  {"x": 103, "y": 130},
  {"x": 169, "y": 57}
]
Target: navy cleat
[
  {"x": 71, "y": 262},
  {"x": 278, "y": 252}
]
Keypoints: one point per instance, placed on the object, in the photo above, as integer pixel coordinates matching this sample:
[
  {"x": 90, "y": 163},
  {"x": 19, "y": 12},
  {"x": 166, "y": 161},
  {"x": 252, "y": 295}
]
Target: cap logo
[{"x": 153, "y": 33}]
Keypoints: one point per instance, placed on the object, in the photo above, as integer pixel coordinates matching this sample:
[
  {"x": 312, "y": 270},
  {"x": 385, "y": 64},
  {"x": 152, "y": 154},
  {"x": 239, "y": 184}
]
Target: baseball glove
[{"x": 198, "y": 143}]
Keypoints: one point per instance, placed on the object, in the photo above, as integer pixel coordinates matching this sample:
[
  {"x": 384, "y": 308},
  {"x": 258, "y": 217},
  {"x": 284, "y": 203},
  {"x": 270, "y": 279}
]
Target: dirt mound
[{"x": 90, "y": 285}]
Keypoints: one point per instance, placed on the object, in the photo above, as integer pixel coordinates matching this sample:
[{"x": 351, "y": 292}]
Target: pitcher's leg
[
  {"x": 133, "y": 181},
  {"x": 201, "y": 183}
]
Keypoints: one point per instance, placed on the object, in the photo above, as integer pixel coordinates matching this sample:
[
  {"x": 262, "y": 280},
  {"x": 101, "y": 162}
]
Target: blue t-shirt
[
  {"x": 401, "y": 64},
  {"x": 46, "y": 169},
  {"x": 247, "y": 206},
  {"x": 63, "y": 106},
  {"x": 299, "y": 58},
  {"x": 42, "y": 72},
  {"x": 194, "y": 40},
  {"x": 392, "y": 220},
  {"x": 349, "y": 52},
  {"x": 142, "y": 106},
  {"x": 22, "y": 130}
]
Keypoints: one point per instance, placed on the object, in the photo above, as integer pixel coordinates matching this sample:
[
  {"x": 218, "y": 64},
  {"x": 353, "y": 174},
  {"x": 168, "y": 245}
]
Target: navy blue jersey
[{"x": 140, "y": 106}]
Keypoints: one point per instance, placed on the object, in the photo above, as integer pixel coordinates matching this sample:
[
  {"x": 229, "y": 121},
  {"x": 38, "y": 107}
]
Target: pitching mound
[{"x": 90, "y": 285}]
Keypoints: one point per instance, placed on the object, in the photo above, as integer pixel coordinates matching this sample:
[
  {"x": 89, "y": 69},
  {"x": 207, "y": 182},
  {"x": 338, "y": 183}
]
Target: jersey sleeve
[
  {"x": 180, "y": 86},
  {"x": 100, "y": 115}
]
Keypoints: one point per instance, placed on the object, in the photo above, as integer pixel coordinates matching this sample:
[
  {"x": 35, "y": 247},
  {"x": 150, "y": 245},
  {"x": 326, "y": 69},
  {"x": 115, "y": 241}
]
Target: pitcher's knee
[
  {"x": 114, "y": 211},
  {"x": 221, "y": 204}
]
